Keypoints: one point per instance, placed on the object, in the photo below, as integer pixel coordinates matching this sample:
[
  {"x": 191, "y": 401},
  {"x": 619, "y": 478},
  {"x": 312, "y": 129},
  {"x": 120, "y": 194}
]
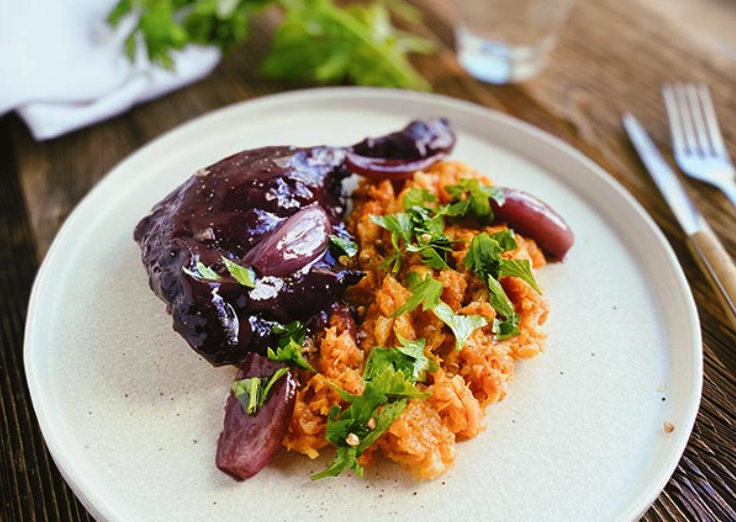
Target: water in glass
[{"x": 503, "y": 41}]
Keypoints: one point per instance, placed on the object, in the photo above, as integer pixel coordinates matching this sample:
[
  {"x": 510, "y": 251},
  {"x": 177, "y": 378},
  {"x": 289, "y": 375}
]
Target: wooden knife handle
[{"x": 718, "y": 267}]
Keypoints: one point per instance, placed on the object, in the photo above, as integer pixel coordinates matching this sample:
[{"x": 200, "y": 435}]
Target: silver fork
[{"x": 696, "y": 137}]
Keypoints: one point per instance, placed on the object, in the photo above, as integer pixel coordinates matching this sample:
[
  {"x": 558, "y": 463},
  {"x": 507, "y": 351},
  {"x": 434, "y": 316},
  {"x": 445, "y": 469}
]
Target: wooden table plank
[{"x": 612, "y": 57}]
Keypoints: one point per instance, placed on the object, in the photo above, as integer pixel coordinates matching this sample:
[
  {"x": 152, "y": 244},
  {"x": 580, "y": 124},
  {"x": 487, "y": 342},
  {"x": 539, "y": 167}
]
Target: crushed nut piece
[
  {"x": 426, "y": 238},
  {"x": 668, "y": 427},
  {"x": 371, "y": 423},
  {"x": 352, "y": 439},
  {"x": 378, "y": 243},
  {"x": 205, "y": 235}
]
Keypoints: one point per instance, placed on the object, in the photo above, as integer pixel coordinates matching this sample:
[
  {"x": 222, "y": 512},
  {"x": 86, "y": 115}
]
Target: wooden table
[{"x": 613, "y": 56}]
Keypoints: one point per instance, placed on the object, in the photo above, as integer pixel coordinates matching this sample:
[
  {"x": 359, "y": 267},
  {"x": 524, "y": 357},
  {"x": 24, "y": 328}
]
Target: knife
[{"x": 707, "y": 249}]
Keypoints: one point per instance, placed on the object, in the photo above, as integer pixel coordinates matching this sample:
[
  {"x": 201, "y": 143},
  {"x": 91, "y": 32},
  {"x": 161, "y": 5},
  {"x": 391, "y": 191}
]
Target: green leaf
[
  {"x": 505, "y": 239},
  {"x": 396, "y": 223},
  {"x": 290, "y": 354},
  {"x": 289, "y": 348},
  {"x": 388, "y": 379},
  {"x": 484, "y": 256},
  {"x": 343, "y": 246},
  {"x": 425, "y": 291},
  {"x": 396, "y": 385},
  {"x": 271, "y": 381},
  {"x": 203, "y": 272},
  {"x": 295, "y": 330},
  {"x": 123, "y": 8},
  {"x": 416, "y": 197},
  {"x": 462, "y": 326},
  {"x": 477, "y": 195},
  {"x": 415, "y": 350},
  {"x": 409, "y": 358},
  {"x": 521, "y": 268},
  {"x": 346, "y": 457},
  {"x": 244, "y": 275},
  {"x": 503, "y": 329},
  {"x": 498, "y": 298},
  {"x": 322, "y": 42},
  {"x": 252, "y": 392}
]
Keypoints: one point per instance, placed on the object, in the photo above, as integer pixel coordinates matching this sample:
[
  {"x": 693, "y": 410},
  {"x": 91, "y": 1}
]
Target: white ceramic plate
[{"x": 131, "y": 415}]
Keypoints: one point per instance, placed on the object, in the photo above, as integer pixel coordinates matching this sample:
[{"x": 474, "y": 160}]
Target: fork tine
[
  {"x": 711, "y": 121},
  {"x": 696, "y": 113},
  {"x": 685, "y": 118},
  {"x": 678, "y": 139}
]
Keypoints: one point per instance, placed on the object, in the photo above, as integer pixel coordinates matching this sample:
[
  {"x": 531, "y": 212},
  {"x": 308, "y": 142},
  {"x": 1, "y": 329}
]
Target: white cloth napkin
[{"x": 62, "y": 67}]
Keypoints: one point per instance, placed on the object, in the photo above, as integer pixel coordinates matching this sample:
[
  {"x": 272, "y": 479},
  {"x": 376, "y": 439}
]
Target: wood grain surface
[{"x": 612, "y": 57}]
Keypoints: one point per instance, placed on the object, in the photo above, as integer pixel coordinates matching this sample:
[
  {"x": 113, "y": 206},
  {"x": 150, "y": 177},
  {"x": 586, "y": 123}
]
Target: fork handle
[{"x": 718, "y": 267}]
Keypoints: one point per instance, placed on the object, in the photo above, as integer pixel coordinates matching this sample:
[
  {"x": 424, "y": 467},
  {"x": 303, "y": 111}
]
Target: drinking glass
[{"x": 505, "y": 41}]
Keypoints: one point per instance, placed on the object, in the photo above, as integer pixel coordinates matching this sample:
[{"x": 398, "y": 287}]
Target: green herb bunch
[{"x": 317, "y": 41}]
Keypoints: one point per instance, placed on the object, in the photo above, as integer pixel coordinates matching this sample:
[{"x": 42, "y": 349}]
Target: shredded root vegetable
[{"x": 423, "y": 439}]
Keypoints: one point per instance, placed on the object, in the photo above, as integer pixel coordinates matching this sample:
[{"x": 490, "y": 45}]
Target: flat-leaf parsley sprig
[
  {"x": 389, "y": 379},
  {"x": 317, "y": 41}
]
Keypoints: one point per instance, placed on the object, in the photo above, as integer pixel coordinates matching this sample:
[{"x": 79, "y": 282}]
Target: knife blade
[
  {"x": 667, "y": 181},
  {"x": 712, "y": 257}
]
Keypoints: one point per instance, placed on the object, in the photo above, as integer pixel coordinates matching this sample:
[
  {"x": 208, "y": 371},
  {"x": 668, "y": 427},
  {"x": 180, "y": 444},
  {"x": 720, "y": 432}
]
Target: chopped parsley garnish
[
  {"x": 203, "y": 272},
  {"x": 521, "y": 268},
  {"x": 252, "y": 392},
  {"x": 421, "y": 229},
  {"x": 388, "y": 377},
  {"x": 244, "y": 275},
  {"x": 462, "y": 326},
  {"x": 400, "y": 227},
  {"x": 484, "y": 259},
  {"x": 341, "y": 246},
  {"x": 289, "y": 348},
  {"x": 427, "y": 292},
  {"x": 508, "y": 327},
  {"x": 416, "y": 197},
  {"x": 408, "y": 358},
  {"x": 470, "y": 196}
]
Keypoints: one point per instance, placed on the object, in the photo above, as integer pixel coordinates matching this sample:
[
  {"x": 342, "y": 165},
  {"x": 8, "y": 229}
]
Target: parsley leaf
[
  {"x": 399, "y": 224},
  {"x": 342, "y": 246},
  {"x": 401, "y": 229},
  {"x": 323, "y": 43},
  {"x": 484, "y": 259},
  {"x": 484, "y": 256},
  {"x": 521, "y": 268},
  {"x": 477, "y": 197},
  {"x": 500, "y": 302},
  {"x": 203, "y": 272},
  {"x": 462, "y": 326},
  {"x": 408, "y": 358},
  {"x": 506, "y": 328},
  {"x": 427, "y": 291},
  {"x": 418, "y": 198},
  {"x": 289, "y": 348},
  {"x": 244, "y": 275},
  {"x": 252, "y": 392},
  {"x": 498, "y": 298},
  {"x": 346, "y": 457},
  {"x": 389, "y": 377},
  {"x": 317, "y": 40},
  {"x": 505, "y": 239}
]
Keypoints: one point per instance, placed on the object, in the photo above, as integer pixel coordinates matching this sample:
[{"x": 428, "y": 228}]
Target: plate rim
[{"x": 98, "y": 506}]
